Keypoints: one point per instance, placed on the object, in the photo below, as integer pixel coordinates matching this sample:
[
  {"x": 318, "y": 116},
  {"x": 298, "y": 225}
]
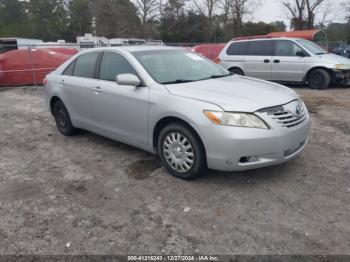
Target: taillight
[
  {"x": 44, "y": 81},
  {"x": 217, "y": 60}
]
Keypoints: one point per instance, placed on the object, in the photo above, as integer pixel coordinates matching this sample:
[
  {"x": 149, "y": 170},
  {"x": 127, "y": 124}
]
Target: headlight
[
  {"x": 236, "y": 119},
  {"x": 342, "y": 67}
]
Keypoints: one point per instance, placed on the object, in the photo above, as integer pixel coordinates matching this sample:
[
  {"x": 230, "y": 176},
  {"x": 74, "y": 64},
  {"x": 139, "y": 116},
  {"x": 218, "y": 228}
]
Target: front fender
[{"x": 185, "y": 109}]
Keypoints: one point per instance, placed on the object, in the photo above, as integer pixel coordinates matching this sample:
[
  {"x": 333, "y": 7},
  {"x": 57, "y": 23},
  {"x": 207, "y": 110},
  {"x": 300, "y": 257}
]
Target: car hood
[
  {"x": 334, "y": 59},
  {"x": 236, "y": 93}
]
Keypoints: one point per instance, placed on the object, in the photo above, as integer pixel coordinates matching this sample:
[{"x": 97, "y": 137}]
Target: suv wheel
[
  {"x": 236, "y": 71},
  {"x": 319, "y": 79},
  {"x": 182, "y": 152},
  {"x": 62, "y": 119}
]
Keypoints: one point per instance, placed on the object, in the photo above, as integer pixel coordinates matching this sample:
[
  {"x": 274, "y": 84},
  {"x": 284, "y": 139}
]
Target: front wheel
[
  {"x": 319, "y": 79},
  {"x": 182, "y": 152}
]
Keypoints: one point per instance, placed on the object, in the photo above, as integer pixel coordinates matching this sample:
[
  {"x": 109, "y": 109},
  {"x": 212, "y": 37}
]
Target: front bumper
[
  {"x": 234, "y": 148},
  {"x": 342, "y": 77}
]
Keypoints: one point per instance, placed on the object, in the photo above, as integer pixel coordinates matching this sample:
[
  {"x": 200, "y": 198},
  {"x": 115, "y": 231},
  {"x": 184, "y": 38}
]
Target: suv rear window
[
  {"x": 237, "y": 48},
  {"x": 260, "y": 48}
]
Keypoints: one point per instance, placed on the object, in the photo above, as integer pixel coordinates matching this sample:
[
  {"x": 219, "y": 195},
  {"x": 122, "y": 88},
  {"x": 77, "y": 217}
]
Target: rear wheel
[
  {"x": 319, "y": 79},
  {"x": 182, "y": 152},
  {"x": 236, "y": 71},
  {"x": 62, "y": 119}
]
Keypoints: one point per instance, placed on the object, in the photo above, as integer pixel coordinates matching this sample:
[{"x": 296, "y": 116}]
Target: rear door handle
[
  {"x": 276, "y": 61},
  {"x": 266, "y": 61},
  {"x": 97, "y": 90}
]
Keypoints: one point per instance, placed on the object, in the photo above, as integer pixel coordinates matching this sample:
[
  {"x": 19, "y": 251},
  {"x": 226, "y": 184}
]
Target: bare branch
[{"x": 303, "y": 12}]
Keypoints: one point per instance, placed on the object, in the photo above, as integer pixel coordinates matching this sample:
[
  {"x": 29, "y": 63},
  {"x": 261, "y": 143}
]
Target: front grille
[
  {"x": 287, "y": 119},
  {"x": 289, "y": 115}
]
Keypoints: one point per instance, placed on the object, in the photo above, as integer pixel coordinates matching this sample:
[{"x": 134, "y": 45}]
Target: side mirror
[
  {"x": 300, "y": 53},
  {"x": 128, "y": 80}
]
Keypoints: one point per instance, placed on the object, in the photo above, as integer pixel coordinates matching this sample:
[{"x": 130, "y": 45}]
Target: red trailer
[
  {"x": 312, "y": 35},
  {"x": 210, "y": 51},
  {"x": 30, "y": 66}
]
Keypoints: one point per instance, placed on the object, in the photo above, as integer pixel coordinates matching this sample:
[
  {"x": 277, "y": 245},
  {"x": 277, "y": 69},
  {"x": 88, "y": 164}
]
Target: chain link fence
[
  {"x": 29, "y": 64},
  {"x": 329, "y": 45}
]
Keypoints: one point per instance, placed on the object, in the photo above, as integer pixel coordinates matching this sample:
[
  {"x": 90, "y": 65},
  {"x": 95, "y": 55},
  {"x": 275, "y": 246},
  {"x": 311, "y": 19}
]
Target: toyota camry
[{"x": 172, "y": 102}]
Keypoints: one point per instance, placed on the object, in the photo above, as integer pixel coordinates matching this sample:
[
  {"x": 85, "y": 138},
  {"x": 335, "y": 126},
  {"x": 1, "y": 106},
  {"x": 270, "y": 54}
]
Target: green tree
[
  {"x": 48, "y": 19},
  {"x": 115, "y": 18},
  {"x": 80, "y": 18},
  {"x": 261, "y": 28},
  {"x": 180, "y": 27},
  {"x": 337, "y": 31},
  {"x": 172, "y": 21},
  {"x": 13, "y": 19},
  {"x": 347, "y": 17},
  {"x": 279, "y": 26}
]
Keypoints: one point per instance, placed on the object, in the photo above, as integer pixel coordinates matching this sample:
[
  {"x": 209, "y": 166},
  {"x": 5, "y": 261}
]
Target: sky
[{"x": 272, "y": 10}]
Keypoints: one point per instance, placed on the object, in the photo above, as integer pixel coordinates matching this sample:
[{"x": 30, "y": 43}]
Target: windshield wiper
[
  {"x": 321, "y": 53},
  {"x": 180, "y": 81},
  {"x": 215, "y": 77},
  {"x": 177, "y": 81},
  {"x": 220, "y": 76}
]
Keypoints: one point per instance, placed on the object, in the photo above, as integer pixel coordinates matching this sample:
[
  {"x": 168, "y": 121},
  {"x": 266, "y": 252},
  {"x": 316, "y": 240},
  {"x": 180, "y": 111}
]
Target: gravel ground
[{"x": 91, "y": 195}]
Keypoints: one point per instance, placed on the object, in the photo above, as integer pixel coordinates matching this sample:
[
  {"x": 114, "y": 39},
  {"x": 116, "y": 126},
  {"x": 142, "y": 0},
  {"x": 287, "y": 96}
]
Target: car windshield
[
  {"x": 312, "y": 47},
  {"x": 178, "y": 66}
]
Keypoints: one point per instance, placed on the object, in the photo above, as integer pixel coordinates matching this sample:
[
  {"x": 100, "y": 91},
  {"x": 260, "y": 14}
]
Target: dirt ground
[{"x": 90, "y": 195}]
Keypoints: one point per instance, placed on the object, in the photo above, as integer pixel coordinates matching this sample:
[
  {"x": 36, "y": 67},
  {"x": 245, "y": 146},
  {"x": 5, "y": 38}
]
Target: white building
[{"x": 90, "y": 41}]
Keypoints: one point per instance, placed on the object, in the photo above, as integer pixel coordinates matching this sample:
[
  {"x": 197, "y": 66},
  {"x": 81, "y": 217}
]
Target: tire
[
  {"x": 236, "y": 71},
  {"x": 62, "y": 119},
  {"x": 183, "y": 155},
  {"x": 319, "y": 79}
]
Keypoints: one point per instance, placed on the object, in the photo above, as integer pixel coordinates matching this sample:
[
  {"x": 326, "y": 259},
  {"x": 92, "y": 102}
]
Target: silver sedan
[{"x": 192, "y": 112}]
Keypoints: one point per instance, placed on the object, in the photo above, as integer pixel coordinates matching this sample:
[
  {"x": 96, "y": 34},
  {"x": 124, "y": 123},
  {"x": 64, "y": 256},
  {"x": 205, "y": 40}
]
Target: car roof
[
  {"x": 267, "y": 39},
  {"x": 135, "y": 48}
]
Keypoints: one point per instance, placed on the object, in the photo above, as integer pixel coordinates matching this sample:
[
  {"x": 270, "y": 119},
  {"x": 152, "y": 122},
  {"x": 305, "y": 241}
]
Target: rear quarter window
[
  {"x": 69, "y": 69},
  {"x": 238, "y": 48}
]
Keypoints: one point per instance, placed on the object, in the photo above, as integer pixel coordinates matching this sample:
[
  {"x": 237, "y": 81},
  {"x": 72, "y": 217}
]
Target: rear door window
[
  {"x": 238, "y": 48},
  {"x": 260, "y": 48},
  {"x": 85, "y": 65}
]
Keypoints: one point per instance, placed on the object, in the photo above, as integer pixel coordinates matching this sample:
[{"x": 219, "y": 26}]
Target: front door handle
[
  {"x": 97, "y": 90},
  {"x": 276, "y": 61},
  {"x": 266, "y": 61}
]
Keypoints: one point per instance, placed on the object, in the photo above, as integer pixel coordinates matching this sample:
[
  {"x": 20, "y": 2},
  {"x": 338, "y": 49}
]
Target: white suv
[{"x": 286, "y": 60}]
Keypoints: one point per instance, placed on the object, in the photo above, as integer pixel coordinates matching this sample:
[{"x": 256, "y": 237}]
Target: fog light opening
[{"x": 249, "y": 159}]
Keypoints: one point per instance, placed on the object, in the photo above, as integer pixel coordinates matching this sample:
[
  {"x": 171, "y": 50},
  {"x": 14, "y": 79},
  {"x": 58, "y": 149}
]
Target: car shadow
[
  {"x": 148, "y": 163},
  {"x": 259, "y": 175}
]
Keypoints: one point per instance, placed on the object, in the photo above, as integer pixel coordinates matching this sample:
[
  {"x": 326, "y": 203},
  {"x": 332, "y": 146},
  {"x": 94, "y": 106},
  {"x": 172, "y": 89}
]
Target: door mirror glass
[{"x": 128, "y": 80}]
